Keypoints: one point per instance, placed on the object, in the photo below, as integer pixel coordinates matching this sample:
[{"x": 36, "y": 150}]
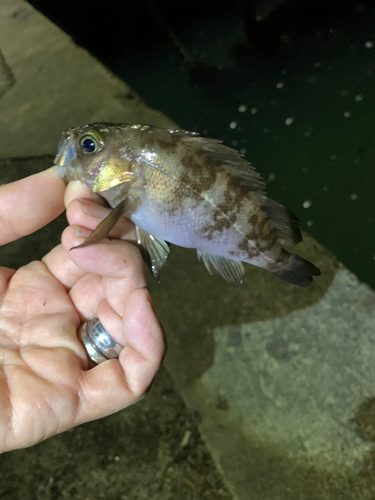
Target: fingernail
[
  {"x": 83, "y": 205},
  {"x": 94, "y": 209},
  {"x": 82, "y": 231}
]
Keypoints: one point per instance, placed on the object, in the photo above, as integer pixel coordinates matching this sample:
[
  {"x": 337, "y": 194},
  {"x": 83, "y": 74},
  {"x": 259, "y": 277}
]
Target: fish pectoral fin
[
  {"x": 104, "y": 228},
  {"x": 155, "y": 250},
  {"x": 232, "y": 271},
  {"x": 284, "y": 223}
]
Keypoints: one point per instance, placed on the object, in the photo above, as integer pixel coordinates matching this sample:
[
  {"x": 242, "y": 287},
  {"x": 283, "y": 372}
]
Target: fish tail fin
[{"x": 298, "y": 272}]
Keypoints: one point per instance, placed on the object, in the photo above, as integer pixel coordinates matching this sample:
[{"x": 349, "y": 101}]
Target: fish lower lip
[
  {"x": 66, "y": 161},
  {"x": 62, "y": 173},
  {"x": 60, "y": 152}
]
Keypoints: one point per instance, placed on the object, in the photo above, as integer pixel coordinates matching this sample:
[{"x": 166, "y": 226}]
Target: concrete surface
[
  {"x": 282, "y": 379},
  {"x": 48, "y": 84},
  {"x": 271, "y": 387},
  {"x": 152, "y": 450}
]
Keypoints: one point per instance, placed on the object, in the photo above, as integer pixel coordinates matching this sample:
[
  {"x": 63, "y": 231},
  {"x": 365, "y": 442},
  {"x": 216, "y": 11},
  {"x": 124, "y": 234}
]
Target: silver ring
[{"x": 99, "y": 345}]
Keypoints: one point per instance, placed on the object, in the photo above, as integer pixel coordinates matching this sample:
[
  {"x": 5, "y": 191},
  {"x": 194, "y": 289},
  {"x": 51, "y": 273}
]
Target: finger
[
  {"x": 77, "y": 189},
  {"x": 116, "y": 384},
  {"x": 32, "y": 294},
  {"x": 111, "y": 321},
  {"x": 62, "y": 267},
  {"x": 118, "y": 262},
  {"x": 86, "y": 295},
  {"x": 5, "y": 276},
  {"x": 29, "y": 204},
  {"x": 89, "y": 214}
]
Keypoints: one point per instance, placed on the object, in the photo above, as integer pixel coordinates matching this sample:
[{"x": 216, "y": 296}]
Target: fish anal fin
[
  {"x": 155, "y": 251},
  {"x": 105, "y": 227},
  {"x": 284, "y": 223},
  {"x": 231, "y": 270}
]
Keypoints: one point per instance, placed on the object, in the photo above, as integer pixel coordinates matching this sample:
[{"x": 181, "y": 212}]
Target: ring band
[{"x": 99, "y": 345}]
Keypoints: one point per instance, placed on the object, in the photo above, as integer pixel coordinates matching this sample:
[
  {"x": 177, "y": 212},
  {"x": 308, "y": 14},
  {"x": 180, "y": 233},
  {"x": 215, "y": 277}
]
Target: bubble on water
[
  {"x": 344, "y": 93},
  {"x": 356, "y": 161},
  {"x": 242, "y": 108},
  {"x": 266, "y": 130},
  {"x": 307, "y": 204},
  {"x": 254, "y": 111},
  {"x": 333, "y": 157},
  {"x": 289, "y": 120},
  {"x": 305, "y": 170},
  {"x": 325, "y": 188},
  {"x": 273, "y": 102},
  {"x": 308, "y": 133},
  {"x": 280, "y": 85},
  {"x": 354, "y": 196},
  {"x": 283, "y": 71},
  {"x": 318, "y": 64},
  {"x": 233, "y": 125},
  {"x": 271, "y": 177},
  {"x": 358, "y": 97},
  {"x": 234, "y": 142},
  {"x": 347, "y": 114},
  {"x": 310, "y": 223},
  {"x": 369, "y": 45},
  {"x": 243, "y": 151}
]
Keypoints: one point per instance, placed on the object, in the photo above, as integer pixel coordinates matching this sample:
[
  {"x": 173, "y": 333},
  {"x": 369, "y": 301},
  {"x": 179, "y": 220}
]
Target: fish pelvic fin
[
  {"x": 232, "y": 271},
  {"x": 104, "y": 228},
  {"x": 298, "y": 272},
  {"x": 284, "y": 223},
  {"x": 154, "y": 251}
]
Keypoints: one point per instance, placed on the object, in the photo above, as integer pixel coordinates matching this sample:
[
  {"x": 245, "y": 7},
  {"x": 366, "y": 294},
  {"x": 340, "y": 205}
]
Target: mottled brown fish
[{"x": 188, "y": 190}]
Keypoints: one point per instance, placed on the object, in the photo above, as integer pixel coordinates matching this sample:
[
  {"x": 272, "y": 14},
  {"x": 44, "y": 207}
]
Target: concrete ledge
[{"x": 48, "y": 84}]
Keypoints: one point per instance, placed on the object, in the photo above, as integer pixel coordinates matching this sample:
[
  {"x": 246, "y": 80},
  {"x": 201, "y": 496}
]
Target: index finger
[{"x": 29, "y": 204}]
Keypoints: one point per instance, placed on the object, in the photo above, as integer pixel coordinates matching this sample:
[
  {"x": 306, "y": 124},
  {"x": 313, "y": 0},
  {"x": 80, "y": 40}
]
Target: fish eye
[{"x": 89, "y": 144}]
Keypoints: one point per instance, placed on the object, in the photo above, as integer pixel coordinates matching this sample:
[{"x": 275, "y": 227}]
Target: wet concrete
[{"x": 151, "y": 450}]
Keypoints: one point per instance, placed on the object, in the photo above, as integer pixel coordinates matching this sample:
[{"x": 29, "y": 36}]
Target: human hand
[{"x": 47, "y": 384}]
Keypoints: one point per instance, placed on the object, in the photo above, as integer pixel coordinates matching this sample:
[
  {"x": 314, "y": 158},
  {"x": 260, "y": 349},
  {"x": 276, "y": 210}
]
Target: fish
[{"x": 187, "y": 190}]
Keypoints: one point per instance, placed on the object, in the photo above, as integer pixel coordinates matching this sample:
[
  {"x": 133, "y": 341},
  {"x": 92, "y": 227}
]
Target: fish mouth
[{"x": 68, "y": 165}]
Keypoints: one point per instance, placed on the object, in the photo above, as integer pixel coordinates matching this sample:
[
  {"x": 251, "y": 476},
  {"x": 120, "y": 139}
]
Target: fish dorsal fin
[
  {"x": 231, "y": 270},
  {"x": 284, "y": 223},
  {"x": 228, "y": 158},
  {"x": 156, "y": 248}
]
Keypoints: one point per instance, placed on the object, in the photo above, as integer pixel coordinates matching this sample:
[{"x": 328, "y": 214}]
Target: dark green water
[{"x": 309, "y": 124}]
